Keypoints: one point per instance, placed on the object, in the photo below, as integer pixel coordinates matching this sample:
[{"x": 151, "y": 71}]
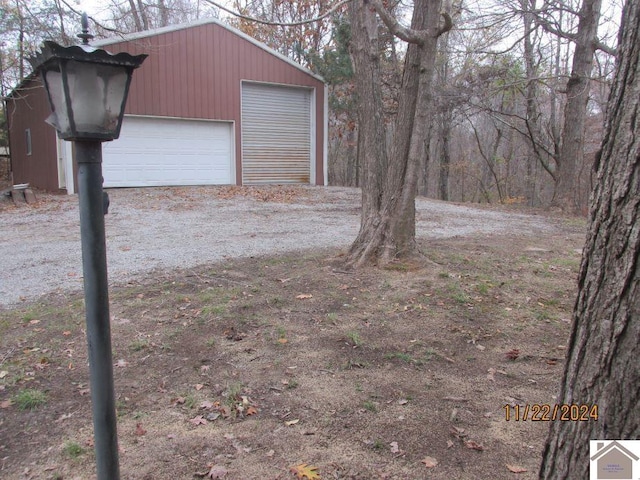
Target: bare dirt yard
[{"x": 284, "y": 365}]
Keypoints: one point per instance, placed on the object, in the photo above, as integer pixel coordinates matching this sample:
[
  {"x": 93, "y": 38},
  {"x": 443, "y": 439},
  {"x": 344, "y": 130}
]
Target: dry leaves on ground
[
  {"x": 305, "y": 471},
  {"x": 215, "y": 471},
  {"x": 515, "y": 468},
  {"x": 429, "y": 462}
]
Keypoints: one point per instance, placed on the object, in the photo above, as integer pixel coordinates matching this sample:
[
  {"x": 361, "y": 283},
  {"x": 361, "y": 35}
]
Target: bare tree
[
  {"x": 389, "y": 182},
  {"x": 602, "y": 368},
  {"x": 573, "y": 138}
]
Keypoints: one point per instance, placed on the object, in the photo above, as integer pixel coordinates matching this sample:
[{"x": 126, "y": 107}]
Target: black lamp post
[{"x": 87, "y": 90}]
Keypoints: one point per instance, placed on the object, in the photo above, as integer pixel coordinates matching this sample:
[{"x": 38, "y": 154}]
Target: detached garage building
[{"x": 209, "y": 106}]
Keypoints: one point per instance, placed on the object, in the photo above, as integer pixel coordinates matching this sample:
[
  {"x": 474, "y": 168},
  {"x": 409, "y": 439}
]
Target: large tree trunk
[
  {"x": 371, "y": 151},
  {"x": 575, "y": 113},
  {"x": 387, "y": 229},
  {"x": 602, "y": 365}
]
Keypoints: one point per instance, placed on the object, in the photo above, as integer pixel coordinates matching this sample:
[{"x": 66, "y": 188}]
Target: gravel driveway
[{"x": 163, "y": 228}]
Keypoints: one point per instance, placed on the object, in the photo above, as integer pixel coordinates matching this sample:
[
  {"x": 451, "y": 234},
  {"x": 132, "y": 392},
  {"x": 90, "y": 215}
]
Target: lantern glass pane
[
  {"x": 97, "y": 93},
  {"x": 59, "y": 118}
]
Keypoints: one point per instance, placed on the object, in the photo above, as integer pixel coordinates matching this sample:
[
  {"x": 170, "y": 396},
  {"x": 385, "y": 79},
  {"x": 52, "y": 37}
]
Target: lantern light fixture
[{"x": 87, "y": 87}]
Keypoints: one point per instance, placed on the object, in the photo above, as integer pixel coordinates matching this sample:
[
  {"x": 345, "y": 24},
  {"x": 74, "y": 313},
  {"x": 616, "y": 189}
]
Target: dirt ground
[{"x": 251, "y": 368}]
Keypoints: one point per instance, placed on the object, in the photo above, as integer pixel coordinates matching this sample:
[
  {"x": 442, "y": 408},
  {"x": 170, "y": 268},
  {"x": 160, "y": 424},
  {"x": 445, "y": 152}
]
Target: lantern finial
[{"x": 85, "y": 36}]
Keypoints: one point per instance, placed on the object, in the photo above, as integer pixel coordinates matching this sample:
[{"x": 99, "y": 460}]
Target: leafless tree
[{"x": 602, "y": 368}]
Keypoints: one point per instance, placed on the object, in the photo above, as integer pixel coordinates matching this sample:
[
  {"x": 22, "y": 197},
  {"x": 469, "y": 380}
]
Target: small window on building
[{"x": 27, "y": 137}]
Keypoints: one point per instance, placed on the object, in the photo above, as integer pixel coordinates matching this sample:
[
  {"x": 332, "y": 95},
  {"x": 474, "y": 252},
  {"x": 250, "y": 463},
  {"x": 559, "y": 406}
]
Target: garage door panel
[
  {"x": 162, "y": 152},
  {"x": 276, "y": 134}
]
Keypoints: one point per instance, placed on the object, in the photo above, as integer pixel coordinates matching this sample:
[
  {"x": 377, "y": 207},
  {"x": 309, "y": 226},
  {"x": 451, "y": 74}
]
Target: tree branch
[
  {"x": 403, "y": 33},
  {"x": 447, "y": 25},
  {"x": 546, "y": 26},
  {"x": 108, "y": 29},
  {"x": 281, "y": 24}
]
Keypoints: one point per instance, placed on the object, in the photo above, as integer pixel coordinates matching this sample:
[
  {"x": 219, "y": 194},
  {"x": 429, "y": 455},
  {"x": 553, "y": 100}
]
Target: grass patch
[
  {"x": 354, "y": 339},
  {"x": 29, "y": 398},
  {"x": 72, "y": 449},
  {"x": 370, "y": 406},
  {"x": 139, "y": 345},
  {"x": 405, "y": 357}
]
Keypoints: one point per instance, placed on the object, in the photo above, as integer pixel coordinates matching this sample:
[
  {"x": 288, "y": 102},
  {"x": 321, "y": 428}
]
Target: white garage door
[
  {"x": 276, "y": 134},
  {"x": 162, "y": 151}
]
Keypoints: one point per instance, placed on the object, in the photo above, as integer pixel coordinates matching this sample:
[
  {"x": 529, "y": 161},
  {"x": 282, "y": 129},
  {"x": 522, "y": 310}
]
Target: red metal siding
[
  {"x": 28, "y": 108},
  {"x": 196, "y": 72}
]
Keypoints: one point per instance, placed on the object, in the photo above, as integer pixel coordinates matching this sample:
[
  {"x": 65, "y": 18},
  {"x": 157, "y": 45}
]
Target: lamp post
[{"x": 87, "y": 90}]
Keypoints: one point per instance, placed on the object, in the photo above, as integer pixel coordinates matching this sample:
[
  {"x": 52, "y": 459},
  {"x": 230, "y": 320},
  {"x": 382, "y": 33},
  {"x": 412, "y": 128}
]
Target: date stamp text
[{"x": 546, "y": 412}]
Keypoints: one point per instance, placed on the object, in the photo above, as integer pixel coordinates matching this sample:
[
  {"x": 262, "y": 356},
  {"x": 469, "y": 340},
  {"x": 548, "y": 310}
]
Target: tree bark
[
  {"x": 575, "y": 113},
  {"x": 387, "y": 228},
  {"x": 136, "y": 16},
  {"x": 371, "y": 152},
  {"x": 602, "y": 366}
]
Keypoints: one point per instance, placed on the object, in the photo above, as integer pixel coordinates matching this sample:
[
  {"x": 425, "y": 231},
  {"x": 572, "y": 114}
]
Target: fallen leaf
[
  {"x": 198, "y": 420},
  {"x": 252, "y": 411},
  {"x": 449, "y": 444},
  {"x": 292, "y": 422},
  {"x": 404, "y": 401},
  {"x": 490, "y": 374},
  {"x": 304, "y": 296},
  {"x": 139, "y": 430},
  {"x": 394, "y": 447},
  {"x": 199, "y": 386},
  {"x": 217, "y": 471},
  {"x": 282, "y": 340},
  {"x": 474, "y": 445},
  {"x": 66, "y": 333},
  {"x": 122, "y": 363},
  {"x": 458, "y": 432},
  {"x": 3, "y": 373},
  {"x": 305, "y": 471},
  {"x": 179, "y": 401},
  {"x": 206, "y": 404},
  {"x": 214, "y": 471},
  {"x": 6, "y": 403},
  {"x": 515, "y": 468},
  {"x": 512, "y": 354},
  {"x": 429, "y": 462}
]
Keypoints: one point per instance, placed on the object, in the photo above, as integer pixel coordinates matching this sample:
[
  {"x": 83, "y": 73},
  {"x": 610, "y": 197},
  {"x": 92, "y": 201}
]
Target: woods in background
[{"x": 518, "y": 90}]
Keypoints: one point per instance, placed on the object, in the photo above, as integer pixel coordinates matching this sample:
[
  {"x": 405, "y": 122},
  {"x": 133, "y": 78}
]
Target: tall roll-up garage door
[
  {"x": 157, "y": 151},
  {"x": 276, "y": 134}
]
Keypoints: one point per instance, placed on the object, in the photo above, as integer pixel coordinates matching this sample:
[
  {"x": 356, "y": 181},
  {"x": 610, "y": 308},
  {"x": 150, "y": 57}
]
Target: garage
[
  {"x": 155, "y": 151},
  {"x": 276, "y": 134},
  {"x": 209, "y": 105}
]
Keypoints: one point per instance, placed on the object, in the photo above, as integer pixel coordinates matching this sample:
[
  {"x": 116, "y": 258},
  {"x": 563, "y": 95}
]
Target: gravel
[{"x": 165, "y": 228}]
